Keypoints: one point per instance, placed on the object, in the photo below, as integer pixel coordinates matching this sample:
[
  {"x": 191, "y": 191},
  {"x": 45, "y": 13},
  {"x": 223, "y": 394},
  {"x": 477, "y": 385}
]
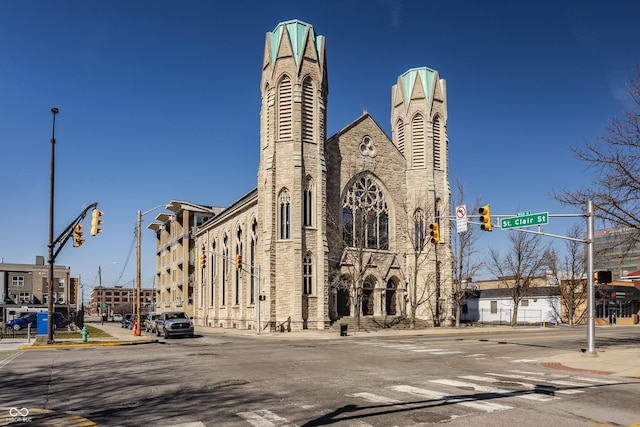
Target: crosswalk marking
[
  {"x": 376, "y": 398},
  {"x": 478, "y": 392},
  {"x": 493, "y": 390},
  {"x": 598, "y": 380},
  {"x": 550, "y": 381},
  {"x": 535, "y": 387},
  {"x": 461, "y": 400},
  {"x": 438, "y": 351},
  {"x": 264, "y": 418},
  {"x": 193, "y": 424},
  {"x": 421, "y": 348},
  {"x": 402, "y": 345}
]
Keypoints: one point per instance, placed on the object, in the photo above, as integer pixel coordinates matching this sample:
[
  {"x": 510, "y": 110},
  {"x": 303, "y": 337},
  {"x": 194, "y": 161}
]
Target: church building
[{"x": 339, "y": 227}]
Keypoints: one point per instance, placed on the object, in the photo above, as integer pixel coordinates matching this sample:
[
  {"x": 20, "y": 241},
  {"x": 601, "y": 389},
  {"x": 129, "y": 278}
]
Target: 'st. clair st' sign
[{"x": 525, "y": 220}]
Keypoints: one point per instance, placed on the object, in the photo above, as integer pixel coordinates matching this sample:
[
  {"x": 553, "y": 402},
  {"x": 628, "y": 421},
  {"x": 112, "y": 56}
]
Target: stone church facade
[{"x": 337, "y": 227}]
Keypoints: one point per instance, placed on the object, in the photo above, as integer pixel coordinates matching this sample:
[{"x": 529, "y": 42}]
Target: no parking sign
[{"x": 461, "y": 218}]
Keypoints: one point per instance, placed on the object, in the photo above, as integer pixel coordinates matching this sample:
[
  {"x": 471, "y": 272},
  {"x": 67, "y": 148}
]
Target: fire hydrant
[{"x": 84, "y": 334}]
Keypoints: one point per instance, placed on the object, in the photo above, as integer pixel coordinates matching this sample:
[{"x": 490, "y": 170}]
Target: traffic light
[
  {"x": 203, "y": 261},
  {"x": 77, "y": 236},
  {"x": 435, "y": 233},
  {"x": 238, "y": 261},
  {"x": 603, "y": 277},
  {"x": 485, "y": 219},
  {"x": 96, "y": 221}
]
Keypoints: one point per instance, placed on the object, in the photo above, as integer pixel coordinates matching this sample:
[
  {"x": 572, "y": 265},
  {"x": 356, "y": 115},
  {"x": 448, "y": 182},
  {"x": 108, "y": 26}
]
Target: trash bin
[
  {"x": 343, "y": 329},
  {"x": 42, "y": 323}
]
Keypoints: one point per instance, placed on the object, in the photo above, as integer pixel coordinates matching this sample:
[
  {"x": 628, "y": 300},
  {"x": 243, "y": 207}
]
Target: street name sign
[{"x": 525, "y": 220}]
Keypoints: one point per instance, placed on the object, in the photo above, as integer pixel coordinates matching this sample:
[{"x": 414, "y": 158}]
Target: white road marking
[
  {"x": 264, "y": 418},
  {"x": 448, "y": 398}
]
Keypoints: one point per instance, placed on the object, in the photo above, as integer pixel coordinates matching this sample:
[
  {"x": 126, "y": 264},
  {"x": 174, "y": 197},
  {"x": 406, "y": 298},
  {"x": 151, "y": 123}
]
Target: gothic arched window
[
  {"x": 307, "y": 110},
  {"x": 418, "y": 138},
  {"x": 307, "y": 203},
  {"x": 365, "y": 215},
  {"x": 285, "y": 214},
  {"x": 307, "y": 275},
  {"x": 238, "y": 254},
  {"x": 400, "y": 135},
  {"x": 225, "y": 256},
  {"x": 419, "y": 230},
  {"x": 437, "y": 137},
  {"x": 285, "y": 110}
]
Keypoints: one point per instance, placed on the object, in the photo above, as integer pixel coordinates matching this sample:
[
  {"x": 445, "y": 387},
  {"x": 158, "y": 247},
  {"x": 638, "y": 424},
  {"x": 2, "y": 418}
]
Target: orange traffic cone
[{"x": 135, "y": 327}]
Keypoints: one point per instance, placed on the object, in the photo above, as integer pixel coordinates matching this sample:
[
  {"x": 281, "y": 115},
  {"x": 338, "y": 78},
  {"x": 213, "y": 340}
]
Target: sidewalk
[{"x": 118, "y": 336}]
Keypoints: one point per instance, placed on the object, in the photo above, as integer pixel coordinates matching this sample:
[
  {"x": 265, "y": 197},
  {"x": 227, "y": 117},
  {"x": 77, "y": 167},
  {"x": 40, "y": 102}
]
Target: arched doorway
[
  {"x": 343, "y": 297},
  {"x": 391, "y": 291},
  {"x": 367, "y": 298},
  {"x": 344, "y": 302}
]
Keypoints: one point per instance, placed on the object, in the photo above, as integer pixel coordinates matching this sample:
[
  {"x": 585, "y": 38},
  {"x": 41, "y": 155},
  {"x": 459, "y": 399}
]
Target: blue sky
[{"x": 159, "y": 100}]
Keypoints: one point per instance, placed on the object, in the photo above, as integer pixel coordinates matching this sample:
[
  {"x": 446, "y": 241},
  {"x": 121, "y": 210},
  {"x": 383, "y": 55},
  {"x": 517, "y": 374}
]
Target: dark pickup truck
[{"x": 174, "y": 323}]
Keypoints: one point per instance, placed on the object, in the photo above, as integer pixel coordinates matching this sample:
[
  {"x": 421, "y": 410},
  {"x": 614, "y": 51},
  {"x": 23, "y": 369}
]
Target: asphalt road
[{"x": 226, "y": 380}]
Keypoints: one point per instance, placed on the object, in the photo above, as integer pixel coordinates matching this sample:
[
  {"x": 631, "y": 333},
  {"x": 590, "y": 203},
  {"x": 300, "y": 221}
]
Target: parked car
[
  {"x": 117, "y": 317},
  {"x": 150, "y": 323},
  {"x": 143, "y": 319},
  {"x": 130, "y": 321},
  {"x": 174, "y": 323},
  {"x": 31, "y": 318}
]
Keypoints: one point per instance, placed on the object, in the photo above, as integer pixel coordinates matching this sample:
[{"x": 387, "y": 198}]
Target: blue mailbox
[{"x": 43, "y": 323}]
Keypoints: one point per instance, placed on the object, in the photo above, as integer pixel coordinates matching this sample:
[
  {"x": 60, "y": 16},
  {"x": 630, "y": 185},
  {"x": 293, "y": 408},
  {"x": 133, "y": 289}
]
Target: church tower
[
  {"x": 419, "y": 123},
  {"x": 292, "y": 177}
]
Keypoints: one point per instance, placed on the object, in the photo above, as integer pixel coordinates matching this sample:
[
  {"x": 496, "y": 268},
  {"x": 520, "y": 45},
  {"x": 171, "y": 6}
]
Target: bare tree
[
  {"x": 516, "y": 270},
  {"x": 570, "y": 273},
  {"x": 421, "y": 288},
  {"x": 463, "y": 247},
  {"x": 615, "y": 157},
  {"x": 355, "y": 238}
]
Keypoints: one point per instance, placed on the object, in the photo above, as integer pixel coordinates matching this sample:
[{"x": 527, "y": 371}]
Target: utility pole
[
  {"x": 138, "y": 274},
  {"x": 137, "y": 331}
]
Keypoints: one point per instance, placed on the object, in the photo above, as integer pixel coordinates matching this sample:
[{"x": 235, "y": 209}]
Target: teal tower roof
[
  {"x": 296, "y": 30},
  {"x": 408, "y": 79}
]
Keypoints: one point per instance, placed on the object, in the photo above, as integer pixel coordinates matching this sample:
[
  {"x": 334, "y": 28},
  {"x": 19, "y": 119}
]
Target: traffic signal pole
[
  {"x": 62, "y": 239},
  {"x": 485, "y": 218},
  {"x": 591, "y": 322},
  {"x": 50, "y": 340}
]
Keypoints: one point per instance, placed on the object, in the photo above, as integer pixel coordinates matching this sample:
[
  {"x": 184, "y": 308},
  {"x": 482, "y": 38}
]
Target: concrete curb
[{"x": 87, "y": 344}]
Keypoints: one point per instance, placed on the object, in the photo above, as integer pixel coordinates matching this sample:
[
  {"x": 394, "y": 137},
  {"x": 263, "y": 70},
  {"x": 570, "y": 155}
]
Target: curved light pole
[
  {"x": 138, "y": 286},
  {"x": 50, "y": 339}
]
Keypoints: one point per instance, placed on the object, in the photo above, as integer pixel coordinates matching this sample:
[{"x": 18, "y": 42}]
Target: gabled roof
[{"x": 365, "y": 116}]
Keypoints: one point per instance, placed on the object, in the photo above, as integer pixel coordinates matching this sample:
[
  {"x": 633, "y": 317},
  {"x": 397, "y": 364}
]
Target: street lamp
[
  {"x": 50, "y": 340},
  {"x": 101, "y": 299},
  {"x": 139, "y": 287}
]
